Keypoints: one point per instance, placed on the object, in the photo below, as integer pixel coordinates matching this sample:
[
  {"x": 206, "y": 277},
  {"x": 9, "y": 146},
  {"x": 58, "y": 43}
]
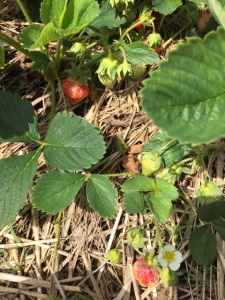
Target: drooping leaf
[
  {"x": 16, "y": 175},
  {"x": 220, "y": 227},
  {"x": 40, "y": 61},
  {"x": 217, "y": 8},
  {"x": 161, "y": 208},
  {"x": 185, "y": 97},
  {"x": 101, "y": 195},
  {"x": 172, "y": 154},
  {"x": 133, "y": 202},
  {"x": 140, "y": 53},
  {"x": 18, "y": 122},
  {"x": 55, "y": 190},
  {"x": 166, "y": 7},
  {"x": 72, "y": 143},
  {"x": 108, "y": 16},
  {"x": 202, "y": 245},
  {"x": 138, "y": 183}
]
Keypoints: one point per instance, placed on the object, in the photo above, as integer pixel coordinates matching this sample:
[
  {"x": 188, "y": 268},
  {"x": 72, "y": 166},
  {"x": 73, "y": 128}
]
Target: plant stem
[
  {"x": 26, "y": 15},
  {"x": 6, "y": 39},
  {"x": 166, "y": 146},
  {"x": 120, "y": 174},
  {"x": 54, "y": 260},
  {"x": 53, "y": 104}
]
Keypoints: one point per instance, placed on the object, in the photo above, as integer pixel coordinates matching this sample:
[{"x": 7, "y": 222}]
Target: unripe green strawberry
[
  {"x": 118, "y": 56},
  {"x": 168, "y": 277},
  {"x": 130, "y": 14},
  {"x": 137, "y": 72},
  {"x": 107, "y": 81},
  {"x": 120, "y": 5},
  {"x": 114, "y": 256},
  {"x": 151, "y": 163},
  {"x": 208, "y": 193}
]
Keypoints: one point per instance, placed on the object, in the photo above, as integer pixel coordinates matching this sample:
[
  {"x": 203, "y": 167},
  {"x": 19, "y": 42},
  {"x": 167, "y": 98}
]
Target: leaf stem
[
  {"x": 120, "y": 174},
  {"x": 54, "y": 260},
  {"x": 166, "y": 146},
  {"x": 26, "y": 15},
  {"x": 53, "y": 98}
]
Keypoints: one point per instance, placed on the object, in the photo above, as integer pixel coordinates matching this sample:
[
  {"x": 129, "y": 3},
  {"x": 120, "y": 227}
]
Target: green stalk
[
  {"x": 54, "y": 260},
  {"x": 53, "y": 98},
  {"x": 26, "y": 15},
  {"x": 166, "y": 146},
  {"x": 6, "y": 39}
]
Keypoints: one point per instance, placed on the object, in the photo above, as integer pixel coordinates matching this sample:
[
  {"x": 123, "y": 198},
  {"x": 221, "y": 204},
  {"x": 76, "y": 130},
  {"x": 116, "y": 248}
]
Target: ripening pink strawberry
[{"x": 147, "y": 276}]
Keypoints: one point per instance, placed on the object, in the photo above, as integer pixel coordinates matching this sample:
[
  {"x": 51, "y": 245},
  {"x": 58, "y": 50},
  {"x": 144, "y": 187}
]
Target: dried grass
[{"x": 26, "y": 263}]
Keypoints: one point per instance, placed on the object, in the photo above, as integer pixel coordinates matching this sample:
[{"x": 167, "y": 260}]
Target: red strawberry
[
  {"x": 147, "y": 276},
  {"x": 202, "y": 22},
  {"x": 74, "y": 90},
  {"x": 138, "y": 27}
]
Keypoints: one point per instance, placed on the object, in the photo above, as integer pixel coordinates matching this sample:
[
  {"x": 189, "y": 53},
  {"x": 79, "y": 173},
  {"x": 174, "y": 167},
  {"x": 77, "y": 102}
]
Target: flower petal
[
  {"x": 178, "y": 256},
  {"x": 168, "y": 248},
  {"x": 162, "y": 261},
  {"x": 174, "y": 266}
]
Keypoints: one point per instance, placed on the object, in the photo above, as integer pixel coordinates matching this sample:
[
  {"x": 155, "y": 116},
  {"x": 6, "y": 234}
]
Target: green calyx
[{"x": 135, "y": 238}]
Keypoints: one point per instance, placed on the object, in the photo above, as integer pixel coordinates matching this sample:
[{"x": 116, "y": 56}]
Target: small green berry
[
  {"x": 114, "y": 256},
  {"x": 151, "y": 163}
]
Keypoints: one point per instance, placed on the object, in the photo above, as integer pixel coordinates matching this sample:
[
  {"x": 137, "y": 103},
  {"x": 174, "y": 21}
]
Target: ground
[{"x": 27, "y": 247}]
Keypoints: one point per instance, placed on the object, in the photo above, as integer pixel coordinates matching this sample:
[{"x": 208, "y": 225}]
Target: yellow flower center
[{"x": 169, "y": 256}]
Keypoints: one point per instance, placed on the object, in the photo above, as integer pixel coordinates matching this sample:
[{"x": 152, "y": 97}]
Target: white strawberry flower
[{"x": 169, "y": 257}]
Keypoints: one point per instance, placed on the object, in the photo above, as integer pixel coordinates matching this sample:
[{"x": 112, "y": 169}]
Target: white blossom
[{"x": 169, "y": 257}]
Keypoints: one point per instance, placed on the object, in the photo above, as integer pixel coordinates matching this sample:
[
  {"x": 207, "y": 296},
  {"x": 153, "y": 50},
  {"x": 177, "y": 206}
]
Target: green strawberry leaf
[
  {"x": 18, "y": 122},
  {"x": 138, "y": 183},
  {"x": 16, "y": 175},
  {"x": 220, "y": 227},
  {"x": 202, "y": 245},
  {"x": 193, "y": 116},
  {"x": 36, "y": 35},
  {"x": 55, "y": 190},
  {"x": 72, "y": 143},
  {"x": 78, "y": 15},
  {"x": 161, "y": 208},
  {"x": 217, "y": 8},
  {"x": 108, "y": 16},
  {"x": 41, "y": 61},
  {"x": 62, "y": 19},
  {"x": 166, "y": 7},
  {"x": 164, "y": 190},
  {"x": 53, "y": 11},
  {"x": 133, "y": 202},
  {"x": 101, "y": 195},
  {"x": 212, "y": 211},
  {"x": 172, "y": 154},
  {"x": 140, "y": 54}
]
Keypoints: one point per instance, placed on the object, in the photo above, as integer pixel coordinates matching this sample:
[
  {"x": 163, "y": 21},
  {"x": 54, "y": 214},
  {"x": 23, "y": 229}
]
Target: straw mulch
[{"x": 27, "y": 247}]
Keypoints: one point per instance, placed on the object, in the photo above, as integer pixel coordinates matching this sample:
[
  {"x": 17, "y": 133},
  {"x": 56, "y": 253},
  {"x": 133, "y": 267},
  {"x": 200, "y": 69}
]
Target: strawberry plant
[
  {"x": 186, "y": 105},
  {"x": 102, "y": 43}
]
